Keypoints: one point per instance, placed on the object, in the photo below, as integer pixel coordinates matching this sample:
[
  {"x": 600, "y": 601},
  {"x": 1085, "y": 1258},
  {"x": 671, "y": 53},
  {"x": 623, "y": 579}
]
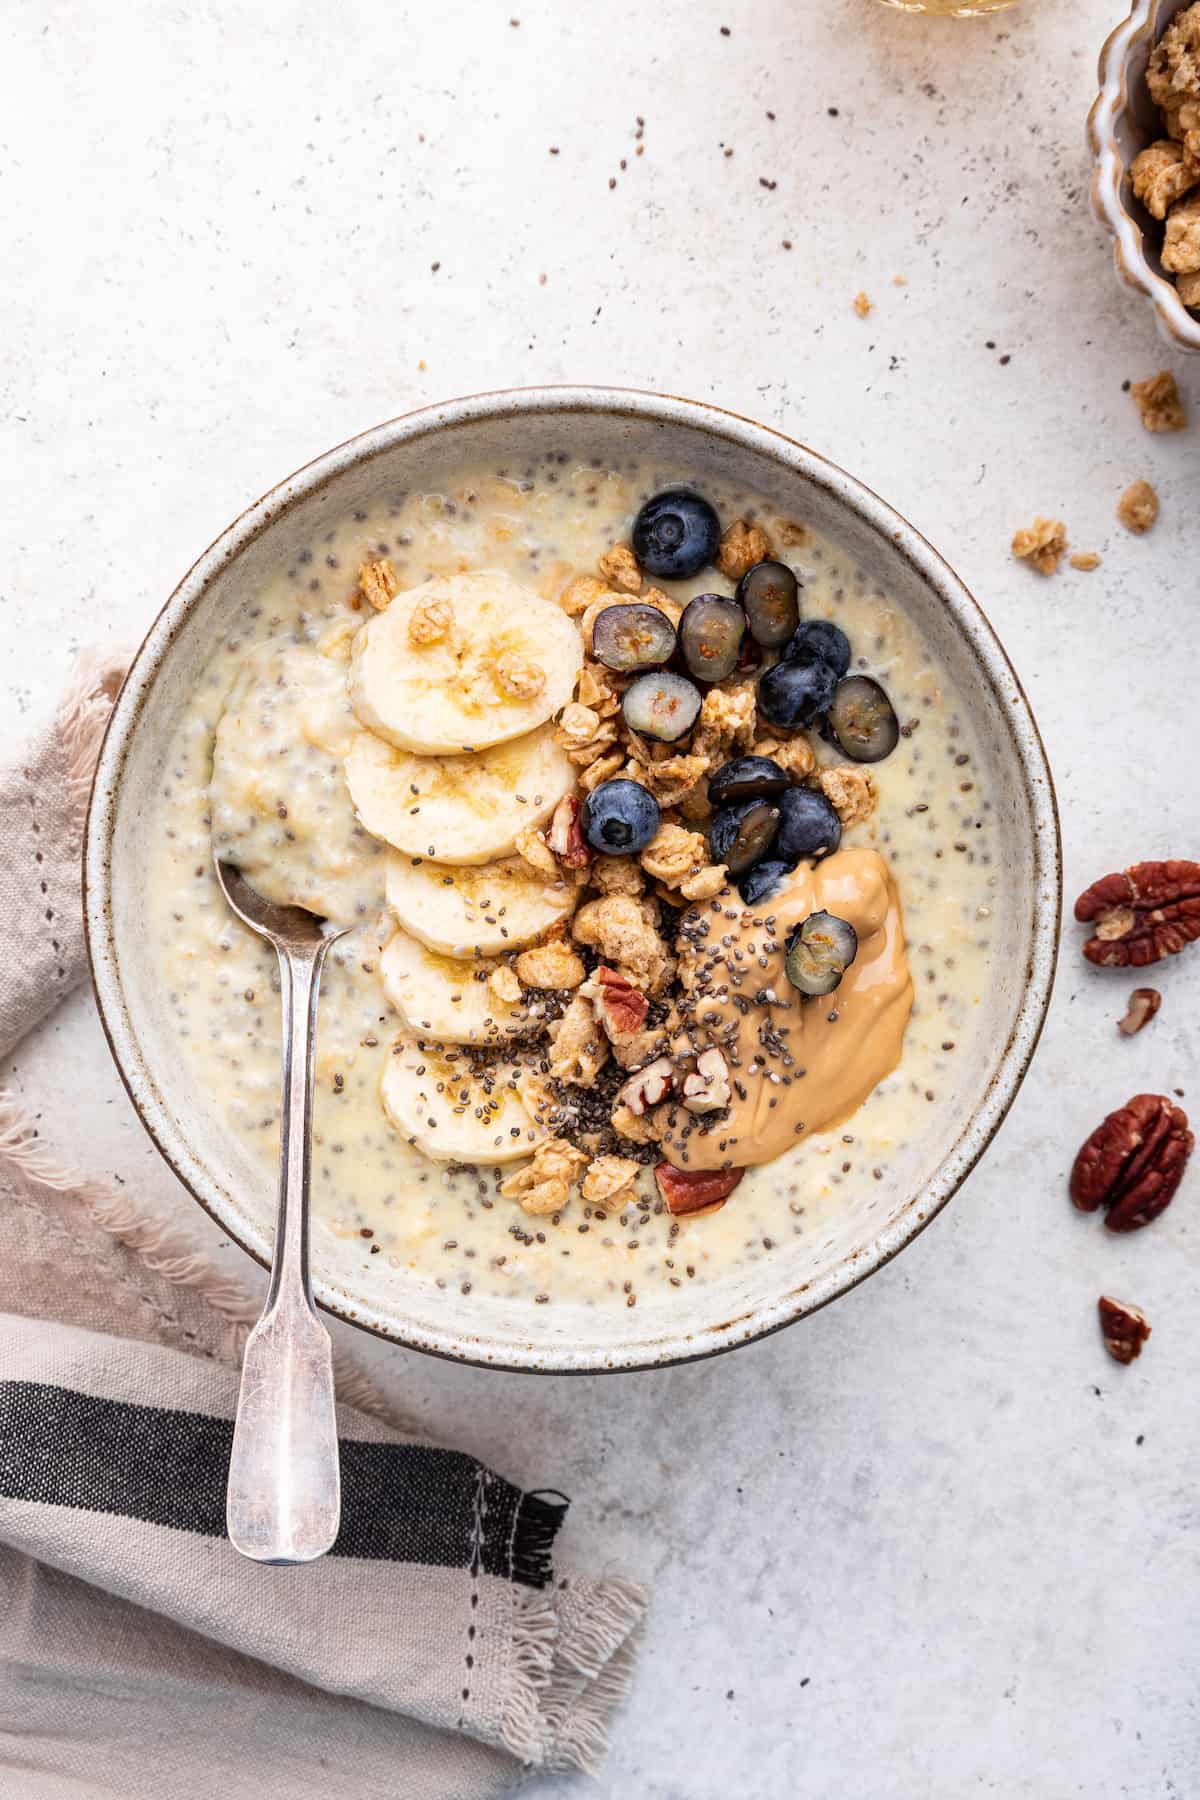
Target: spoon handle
[{"x": 283, "y": 1501}]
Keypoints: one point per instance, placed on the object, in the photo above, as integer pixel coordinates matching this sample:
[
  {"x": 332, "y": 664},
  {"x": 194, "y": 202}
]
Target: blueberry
[
  {"x": 676, "y": 534},
  {"x": 662, "y": 706},
  {"x": 741, "y": 834},
  {"x": 808, "y": 826},
  {"x": 863, "y": 720},
  {"x": 763, "y": 879},
  {"x": 821, "y": 637},
  {"x": 796, "y": 693},
  {"x": 819, "y": 952},
  {"x": 633, "y": 637},
  {"x": 710, "y": 636},
  {"x": 619, "y": 817},
  {"x": 747, "y": 778},
  {"x": 769, "y": 595}
]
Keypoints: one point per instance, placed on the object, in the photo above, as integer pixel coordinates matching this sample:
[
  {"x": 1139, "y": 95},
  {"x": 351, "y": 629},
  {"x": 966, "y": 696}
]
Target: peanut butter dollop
[{"x": 796, "y": 1065}]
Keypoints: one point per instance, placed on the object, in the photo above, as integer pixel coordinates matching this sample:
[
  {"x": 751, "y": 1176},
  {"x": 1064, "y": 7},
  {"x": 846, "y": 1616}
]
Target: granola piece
[
  {"x": 1157, "y": 400},
  {"x": 603, "y": 770},
  {"x": 618, "y": 875},
  {"x": 705, "y": 883},
  {"x": 640, "y": 1128},
  {"x": 669, "y": 781},
  {"x": 600, "y": 690},
  {"x": 553, "y": 965},
  {"x": 1042, "y": 545},
  {"x": 539, "y": 1099},
  {"x": 1183, "y": 126},
  {"x": 377, "y": 582},
  {"x": 608, "y": 1177},
  {"x": 727, "y": 719},
  {"x": 578, "y": 1047},
  {"x": 604, "y": 599},
  {"x": 584, "y": 735},
  {"x": 503, "y": 985},
  {"x": 634, "y": 1052},
  {"x": 519, "y": 677},
  {"x": 792, "y": 533},
  {"x": 1173, "y": 71},
  {"x": 742, "y": 545},
  {"x": 532, "y": 848},
  {"x": 695, "y": 806},
  {"x": 1162, "y": 174},
  {"x": 673, "y": 854},
  {"x": 1084, "y": 559},
  {"x": 1137, "y": 508},
  {"x": 673, "y": 609},
  {"x": 544, "y": 1184},
  {"x": 1188, "y": 287},
  {"x": 579, "y": 594},
  {"x": 335, "y": 641},
  {"x": 620, "y": 568},
  {"x": 862, "y": 305},
  {"x": 622, "y": 929},
  {"x": 850, "y": 790},
  {"x": 794, "y": 754},
  {"x": 430, "y": 622},
  {"x": 1181, "y": 243}
]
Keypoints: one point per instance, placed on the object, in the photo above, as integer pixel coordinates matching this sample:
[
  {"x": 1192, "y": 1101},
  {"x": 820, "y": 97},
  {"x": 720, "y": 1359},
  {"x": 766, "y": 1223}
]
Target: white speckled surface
[{"x": 932, "y": 1542}]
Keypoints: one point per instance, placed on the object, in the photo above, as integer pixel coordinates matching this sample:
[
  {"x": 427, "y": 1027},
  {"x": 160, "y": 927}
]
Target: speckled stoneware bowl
[
  {"x": 1123, "y": 120},
  {"x": 421, "y": 450}
]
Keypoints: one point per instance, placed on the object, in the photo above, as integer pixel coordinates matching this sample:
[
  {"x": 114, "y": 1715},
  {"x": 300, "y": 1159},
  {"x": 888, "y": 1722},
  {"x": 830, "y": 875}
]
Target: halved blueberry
[
  {"x": 793, "y": 694},
  {"x": 821, "y": 637},
  {"x": 741, "y": 834},
  {"x": 662, "y": 706},
  {"x": 763, "y": 879},
  {"x": 619, "y": 817},
  {"x": 710, "y": 636},
  {"x": 808, "y": 826},
  {"x": 747, "y": 778},
  {"x": 769, "y": 595},
  {"x": 633, "y": 637},
  {"x": 863, "y": 720},
  {"x": 675, "y": 534},
  {"x": 819, "y": 951}
]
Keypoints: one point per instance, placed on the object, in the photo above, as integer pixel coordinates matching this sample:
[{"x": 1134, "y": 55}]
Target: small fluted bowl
[{"x": 1123, "y": 120}]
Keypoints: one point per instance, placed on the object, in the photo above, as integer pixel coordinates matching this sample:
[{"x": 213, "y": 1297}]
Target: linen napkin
[{"x": 435, "y": 1654}]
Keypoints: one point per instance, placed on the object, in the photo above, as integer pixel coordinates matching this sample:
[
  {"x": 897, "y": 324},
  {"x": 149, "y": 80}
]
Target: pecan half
[
  {"x": 1143, "y": 1004},
  {"x": 1141, "y": 915},
  {"x": 691, "y": 1192},
  {"x": 565, "y": 837},
  {"x": 647, "y": 1087},
  {"x": 707, "y": 1088},
  {"x": 620, "y": 1007},
  {"x": 1133, "y": 1162},
  {"x": 1124, "y": 1328}
]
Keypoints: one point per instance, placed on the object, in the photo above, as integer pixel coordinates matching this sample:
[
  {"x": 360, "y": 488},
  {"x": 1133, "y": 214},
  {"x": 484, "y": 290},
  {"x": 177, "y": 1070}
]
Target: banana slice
[
  {"x": 452, "y": 1115},
  {"x": 462, "y": 662},
  {"x": 446, "y": 998},
  {"x": 486, "y": 909},
  {"x": 458, "y": 809}
]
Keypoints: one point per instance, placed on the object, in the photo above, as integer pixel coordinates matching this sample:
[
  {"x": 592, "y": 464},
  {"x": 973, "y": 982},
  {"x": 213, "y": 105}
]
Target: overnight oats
[{"x": 670, "y": 878}]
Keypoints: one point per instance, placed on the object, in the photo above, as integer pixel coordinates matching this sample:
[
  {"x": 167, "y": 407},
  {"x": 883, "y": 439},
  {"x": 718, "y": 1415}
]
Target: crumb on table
[
  {"x": 1085, "y": 559},
  {"x": 862, "y": 304},
  {"x": 1041, "y": 545},
  {"x": 1137, "y": 508},
  {"x": 1159, "y": 402}
]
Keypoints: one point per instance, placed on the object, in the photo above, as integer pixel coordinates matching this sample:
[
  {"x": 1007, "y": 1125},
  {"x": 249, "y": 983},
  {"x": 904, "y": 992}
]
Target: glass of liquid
[{"x": 958, "y": 9}]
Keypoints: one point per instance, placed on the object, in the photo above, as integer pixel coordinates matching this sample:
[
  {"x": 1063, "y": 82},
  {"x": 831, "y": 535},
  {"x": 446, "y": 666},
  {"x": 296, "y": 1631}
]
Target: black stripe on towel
[{"x": 400, "y": 1502}]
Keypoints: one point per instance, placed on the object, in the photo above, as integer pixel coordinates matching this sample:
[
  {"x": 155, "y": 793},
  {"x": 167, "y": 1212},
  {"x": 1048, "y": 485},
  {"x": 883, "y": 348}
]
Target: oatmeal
[{"x": 579, "y": 1043}]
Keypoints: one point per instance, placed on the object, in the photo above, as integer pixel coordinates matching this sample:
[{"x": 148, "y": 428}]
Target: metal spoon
[{"x": 283, "y": 1499}]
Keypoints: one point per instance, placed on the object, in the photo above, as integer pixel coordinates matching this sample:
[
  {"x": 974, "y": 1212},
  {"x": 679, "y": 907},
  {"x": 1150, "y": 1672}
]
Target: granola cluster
[{"x": 1166, "y": 175}]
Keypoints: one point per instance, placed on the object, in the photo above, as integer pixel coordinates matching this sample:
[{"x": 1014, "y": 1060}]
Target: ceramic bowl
[
  {"x": 1123, "y": 120},
  {"x": 419, "y": 449}
]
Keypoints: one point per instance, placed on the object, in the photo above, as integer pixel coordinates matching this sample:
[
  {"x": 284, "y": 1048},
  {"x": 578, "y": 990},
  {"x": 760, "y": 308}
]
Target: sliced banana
[
  {"x": 462, "y": 662},
  {"x": 457, "y": 809},
  {"x": 486, "y": 909},
  {"x": 444, "y": 997},
  {"x": 451, "y": 1114}
]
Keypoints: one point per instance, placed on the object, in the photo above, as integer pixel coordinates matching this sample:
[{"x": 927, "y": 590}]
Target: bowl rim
[
  {"x": 1109, "y": 171},
  {"x": 669, "y": 1345}
]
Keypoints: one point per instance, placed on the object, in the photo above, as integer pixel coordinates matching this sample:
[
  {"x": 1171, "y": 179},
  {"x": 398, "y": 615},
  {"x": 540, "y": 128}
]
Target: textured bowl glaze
[
  {"x": 851, "y": 1241},
  {"x": 1123, "y": 120}
]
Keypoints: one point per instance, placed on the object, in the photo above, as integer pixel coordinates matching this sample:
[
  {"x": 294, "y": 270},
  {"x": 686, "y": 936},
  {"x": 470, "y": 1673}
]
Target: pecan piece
[
  {"x": 565, "y": 836},
  {"x": 1143, "y": 1004},
  {"x": 1141, "y": 915},
  {"x": 691, "y": 1192},
  {"x": 707, "y": 1089},
  {"x": 1124, "y": 1328},
  {"x": 1133, "y": 1162},
  {"x": 620, "y": 1007},
  {"x": 645, "y": 1089}
]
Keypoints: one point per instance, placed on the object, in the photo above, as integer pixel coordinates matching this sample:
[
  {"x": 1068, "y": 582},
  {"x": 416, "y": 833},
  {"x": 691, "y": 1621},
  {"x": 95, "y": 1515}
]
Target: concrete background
[{"x": 933, "y": 1542}]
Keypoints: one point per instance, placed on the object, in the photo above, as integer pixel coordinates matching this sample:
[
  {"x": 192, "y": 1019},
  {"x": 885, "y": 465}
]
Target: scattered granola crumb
[
  {"x": 899, "y": 280},
  {"x": 1159, "y": 403},
  {"x": 1137, "y": 508},
  {"x": 377, "y": 582},
  {"x": 851, "y": 791},
  {"x": 519, "y": 677},
  {"x": 1042, "y": 545},
  {"x": 1084, "y": 559},
  {"x": 579, "y": 594},
  {"x": 609, "y": 1176},
  {"x": 544, "y": 1184},
  {"x": 503, "y": 985},
  {"x": 742, "y": 545},
  {"x": 620, "y": 569},
  {"x": 553, "y": 966},
  {"x": 1162, "y": 174},
  {"x": 429, "y": 622},
  {"x": 1181, "y": 241},
  {"x": 862, "y": 304}
]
